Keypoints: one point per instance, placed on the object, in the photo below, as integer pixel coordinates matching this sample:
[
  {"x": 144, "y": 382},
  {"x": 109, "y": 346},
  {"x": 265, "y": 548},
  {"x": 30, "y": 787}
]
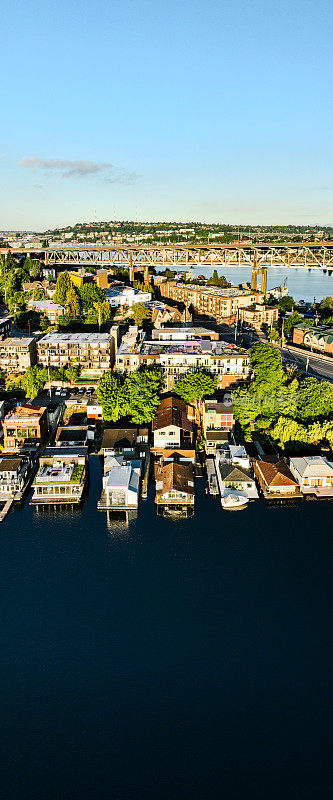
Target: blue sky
[{"x": 213, "y": 111}]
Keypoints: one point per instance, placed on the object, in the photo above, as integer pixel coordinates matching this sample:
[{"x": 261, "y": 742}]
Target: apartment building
[
  {"x": 53, "y": 311},
  {"x": 222, "y": 304},
  {"x": 94, "y": 352},
  {"x": 228, "y": 362},
  {"x": 258, "y": 315},
  {"x": 17, "y": 355}
]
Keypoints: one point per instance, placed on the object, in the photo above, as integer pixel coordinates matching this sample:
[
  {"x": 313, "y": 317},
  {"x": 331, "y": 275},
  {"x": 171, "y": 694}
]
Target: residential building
[
  {"x": 17, "y": 354},
  {"x": 122, "y": 295},
  {"x": 230, "y": 476},
  {"x": 183, "y": 334},
  {"x": 121, "y": 484},
  {"x": 94, "y": 352},
  {"x": 81, "y": 277},
  {"x": 259, "y": 314},
  {"x": 217, "y": 413},
  {"x": 314, "y": 474},
  {"x": 163, "y": 314},
  {"x": 53, "y": 311},
  {"x": 175, "y": 488},
  {"x": 72, "y": 436},
  {"x": 228, "y": 362},
  {"x": 25, "y": 427},
  {"x": 5, "y": 325},
  {"x": 124, "y": 441},
  {"x": 222, "y": 304},
  {"x": 61, "y": 475},
  {"x": 14, "y": 472},
  {"x": 319, "y": 338},
  {"x": 217, "y": 422},
  {"x": 173, "y": 431},
  {"x": 275, "y": 478}
]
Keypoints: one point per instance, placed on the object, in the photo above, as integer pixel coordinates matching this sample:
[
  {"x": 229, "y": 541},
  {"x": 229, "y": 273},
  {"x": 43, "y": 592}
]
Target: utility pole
[
  {"x": 99, "y": 319},
  {"x": 307, "y": 364},
  {"x": 282, "y": 333}
]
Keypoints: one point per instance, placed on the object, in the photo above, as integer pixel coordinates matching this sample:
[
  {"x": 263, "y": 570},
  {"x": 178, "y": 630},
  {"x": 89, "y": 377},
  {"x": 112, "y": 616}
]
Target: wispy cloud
[{"x": 79, "y": 169}]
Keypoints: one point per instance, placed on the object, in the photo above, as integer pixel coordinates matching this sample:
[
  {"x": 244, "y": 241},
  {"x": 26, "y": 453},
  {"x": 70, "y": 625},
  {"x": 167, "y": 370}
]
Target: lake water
[
  {"x": 166, "y": 660},
  {"x": 303, "y": 284}
]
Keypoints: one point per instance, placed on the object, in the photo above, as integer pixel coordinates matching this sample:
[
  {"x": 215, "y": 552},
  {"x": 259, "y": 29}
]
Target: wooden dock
[
  {"x": 5, "y": 510},
  {"x": 213, "y": 487}
]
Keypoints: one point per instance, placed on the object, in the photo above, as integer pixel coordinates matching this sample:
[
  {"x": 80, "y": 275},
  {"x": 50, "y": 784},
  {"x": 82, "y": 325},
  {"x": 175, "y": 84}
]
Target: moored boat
[{"x": 232, "y": 500}]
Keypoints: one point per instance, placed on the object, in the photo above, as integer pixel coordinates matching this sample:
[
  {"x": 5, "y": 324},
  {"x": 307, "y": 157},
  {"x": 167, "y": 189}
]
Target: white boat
[{"x": 233, "y": 499}]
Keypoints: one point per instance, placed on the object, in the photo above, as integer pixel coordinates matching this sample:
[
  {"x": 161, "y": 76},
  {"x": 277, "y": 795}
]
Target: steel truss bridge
[{"x": 137, "y": 258}]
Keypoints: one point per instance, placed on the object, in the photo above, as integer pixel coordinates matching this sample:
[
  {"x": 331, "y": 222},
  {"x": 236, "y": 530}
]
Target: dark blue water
[{"x": 187, "y": 660}]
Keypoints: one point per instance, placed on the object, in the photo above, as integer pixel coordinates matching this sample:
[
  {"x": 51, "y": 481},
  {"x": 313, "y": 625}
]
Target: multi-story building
[
  {"x": 53, "y": 311},
  {"x": 228, "y": 362},
  {"x": 17, "y": 355},
  {"x": 259, "y": 314},
  {"x": 217, "y": 422},
  {"x": 25, "y": 426},
  {"x": 94, "y": 352},
  {"x": 172, "y": 430},
  {"x": 222, "y": 304}
]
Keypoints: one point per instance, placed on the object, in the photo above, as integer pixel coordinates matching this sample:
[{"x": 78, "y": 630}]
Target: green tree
[
  {"x": 72, "y": 302},
  {"x": 99, "y": 313},
  {"x": 291, "y": 321},
  {"x": 315, "y": 399},
  {"x": 109, "y": 396},
  {"x": 62, "y": 287},
  {"x": 72, "y": 372},
  {"x": 266, "y": 363},
  {"x": 286, "y": 304},
  {"x": 91, "y": 294},
  {"x": 326, "y": 306},
  {"x": 139, "y": 312},
  {"x": 194, "y": 386},
  {"x": 141, "y": 394},
  {"x": 33, "y": 379}
]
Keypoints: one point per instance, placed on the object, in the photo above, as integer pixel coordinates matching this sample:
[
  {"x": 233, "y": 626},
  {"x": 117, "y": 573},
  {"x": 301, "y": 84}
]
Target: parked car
[{"x": 82, "y": 390}]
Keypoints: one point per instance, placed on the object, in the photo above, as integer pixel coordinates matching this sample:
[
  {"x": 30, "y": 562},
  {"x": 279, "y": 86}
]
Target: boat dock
[
  {"x": 211, "y": 476},
  {"x": 6, "y": 508}
]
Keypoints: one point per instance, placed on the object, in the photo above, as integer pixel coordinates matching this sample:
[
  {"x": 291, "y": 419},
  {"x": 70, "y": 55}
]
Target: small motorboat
[{"x": 232, "y": 500}]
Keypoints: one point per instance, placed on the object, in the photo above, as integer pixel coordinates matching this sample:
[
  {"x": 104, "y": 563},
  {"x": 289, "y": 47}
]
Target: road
[{"x": 318, "y": 367}]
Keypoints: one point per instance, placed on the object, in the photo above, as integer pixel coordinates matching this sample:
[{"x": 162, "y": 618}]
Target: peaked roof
[
  {"x": 234, "y": 473},
  {"x": 175, "y": 476},
  {"x": 277, "y": 474},
  {"x": 312, "y": 466}
]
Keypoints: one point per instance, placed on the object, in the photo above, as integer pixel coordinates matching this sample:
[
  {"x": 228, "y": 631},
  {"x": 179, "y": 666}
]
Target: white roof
[
  {"x": 314, "y": 466},
  {"x": 59, "y": 338}
]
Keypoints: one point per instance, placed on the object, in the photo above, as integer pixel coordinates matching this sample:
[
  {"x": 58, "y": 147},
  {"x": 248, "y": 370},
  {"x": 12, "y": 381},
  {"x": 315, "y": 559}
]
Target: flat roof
[
  {"x": 59, "y": 338},
  {"x": 18, "y": 341}
]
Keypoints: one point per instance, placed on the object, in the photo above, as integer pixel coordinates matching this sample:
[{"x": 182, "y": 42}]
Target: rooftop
[{"x": 72, "y": 338}]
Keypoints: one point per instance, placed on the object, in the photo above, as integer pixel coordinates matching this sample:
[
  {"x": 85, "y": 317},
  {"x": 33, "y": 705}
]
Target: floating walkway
[{"x": 213, "y": 487}]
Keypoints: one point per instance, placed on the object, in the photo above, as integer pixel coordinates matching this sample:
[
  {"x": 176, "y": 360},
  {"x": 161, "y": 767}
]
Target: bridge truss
[{"x": 183, "y": 257}]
